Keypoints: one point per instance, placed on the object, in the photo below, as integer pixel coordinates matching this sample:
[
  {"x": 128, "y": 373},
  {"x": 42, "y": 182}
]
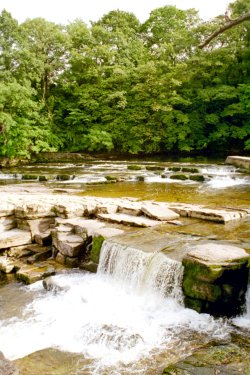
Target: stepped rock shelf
[{"x": 42, "y": 233}]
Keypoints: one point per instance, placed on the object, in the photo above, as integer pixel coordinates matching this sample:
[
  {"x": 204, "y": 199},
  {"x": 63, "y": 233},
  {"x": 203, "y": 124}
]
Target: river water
[{"x": 129, "y": 317}]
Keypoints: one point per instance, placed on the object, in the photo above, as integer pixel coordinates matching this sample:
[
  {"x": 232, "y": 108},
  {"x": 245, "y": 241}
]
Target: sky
[{"x": 64, "y": 11}]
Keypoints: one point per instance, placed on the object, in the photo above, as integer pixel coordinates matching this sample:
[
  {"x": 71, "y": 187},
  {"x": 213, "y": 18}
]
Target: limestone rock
[
  {"x": 239, "y": 161},
  {"x": 138, "y": 221},
  {"x": 14, "y": 237},
  {"x": 7, "y": 223},
  {"x": 6, "y": 265},
  {"x": 215, "y": 279},
  {"x": 130, "y": 208},
  {"x": 199, "y": 212},
  {"x": 69, "y": 244},
  {"x": 34, "y": 210},
  {"x": 159, "y": 212},
  {"x": 7, "y": 209},
  {"x": 55, "y": 285},
  {"x": 30, "y": 274}
]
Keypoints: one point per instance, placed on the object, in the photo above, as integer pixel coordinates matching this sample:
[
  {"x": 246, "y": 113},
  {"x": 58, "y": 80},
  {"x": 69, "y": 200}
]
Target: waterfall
[{"x": 142, "y": 272}]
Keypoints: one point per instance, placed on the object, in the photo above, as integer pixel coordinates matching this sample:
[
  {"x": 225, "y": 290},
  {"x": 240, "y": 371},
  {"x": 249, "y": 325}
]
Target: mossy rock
[
  {"x": 197, "y": 177},
  {"x": 134, "y": 167},
  {"x": 29, "y": 177},
  {"x": 111, "y": 178},
  {"x": 190, "y": 170},
  {"x": 63, "y": 177},
  {"x": 141, "y": 178},
  {"x": 42, "y": 178},
  {"x": 96, "y": 248},
  {"x": 181, "y": 177},
  {"x": 175, "y": 169},
  {"x": 155, "y": 168}
]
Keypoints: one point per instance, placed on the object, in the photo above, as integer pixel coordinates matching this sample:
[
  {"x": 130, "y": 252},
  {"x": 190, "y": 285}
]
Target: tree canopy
[{"x": 126, "y": 87}]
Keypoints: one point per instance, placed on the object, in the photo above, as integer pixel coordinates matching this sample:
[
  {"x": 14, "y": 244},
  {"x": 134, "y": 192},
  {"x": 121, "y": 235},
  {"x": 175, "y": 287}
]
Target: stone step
[
  {"x": 14, "y": 237},
  {"x": 159, "y": 211},
  {"x": 137, "y": 221}
]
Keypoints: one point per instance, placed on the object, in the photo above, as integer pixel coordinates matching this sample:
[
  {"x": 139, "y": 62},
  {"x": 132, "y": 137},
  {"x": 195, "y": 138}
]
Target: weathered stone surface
[
  {"x": 34, "y": 210},
  {"x": 225, "y": 359},
  {"x": 6, "y": 265},
  {"x": 38, "y": 227},
  {"x": 14, "y": 237},
  {"x": 69, "y": 244},
  {"x": 199, "y": 212},
  {"x": 130, "y": 208},
  {"x": 7, "y": 209},
  {"x": 215, "y": 279},
  {"x": 69, "y": 209},
  {"x": 7, "y": 223},
  {"x": 7, "y": 367},
  {"x": 43, "y": 254},
  {"x": 138, "y": 221},
  {"x": 55, "y": 285},
  {"x": 30, "y": 274},
  {"x": 159, "y": 212},
  {"x": 239, "y": 161},
  {"x": 216, "y": 254},
  {"x": 80, "y": 225}
]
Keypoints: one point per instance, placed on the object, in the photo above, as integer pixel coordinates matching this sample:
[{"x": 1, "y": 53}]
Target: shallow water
[{"x": 100, "y": 324}]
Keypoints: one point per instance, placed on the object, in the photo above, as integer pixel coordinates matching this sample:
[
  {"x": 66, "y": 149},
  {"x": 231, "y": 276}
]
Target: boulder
[
  {"x": 215, "y": 279},
  {"x": 52, "y": 284},
  {"x": 68, "y": 244},
  {"x": 159, "y": 212},
  {"x": 14, "y": 237}
]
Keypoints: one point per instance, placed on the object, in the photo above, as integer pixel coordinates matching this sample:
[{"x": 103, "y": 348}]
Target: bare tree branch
[{"x": 226, "y": 26}]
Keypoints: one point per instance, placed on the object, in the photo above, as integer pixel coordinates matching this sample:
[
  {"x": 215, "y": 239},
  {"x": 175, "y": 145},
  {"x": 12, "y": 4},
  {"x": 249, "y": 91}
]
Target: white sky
[{"x": 63, "y": 11}]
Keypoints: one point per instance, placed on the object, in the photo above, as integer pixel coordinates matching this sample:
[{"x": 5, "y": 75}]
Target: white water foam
[
  {"x": 117, "y": 317},
  {"x": 220, "y": 182},
  {"x": 243, "y": 321}
]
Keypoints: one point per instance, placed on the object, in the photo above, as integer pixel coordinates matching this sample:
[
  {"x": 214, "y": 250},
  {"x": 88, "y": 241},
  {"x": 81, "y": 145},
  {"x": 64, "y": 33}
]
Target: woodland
[{"x": 175, "y": 84}]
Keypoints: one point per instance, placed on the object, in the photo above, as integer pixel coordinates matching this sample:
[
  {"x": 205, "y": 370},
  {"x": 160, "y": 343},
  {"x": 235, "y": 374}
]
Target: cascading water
[
  {"x": 126, "y": 319},
  {"x": 142, "y": 272}
]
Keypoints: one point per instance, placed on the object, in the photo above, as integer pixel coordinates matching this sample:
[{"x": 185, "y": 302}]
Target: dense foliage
[{"x": 123, "y": 86}]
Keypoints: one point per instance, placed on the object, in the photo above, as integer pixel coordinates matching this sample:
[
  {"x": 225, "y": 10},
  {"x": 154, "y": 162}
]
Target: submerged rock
[{"x": 215, "y": 279}]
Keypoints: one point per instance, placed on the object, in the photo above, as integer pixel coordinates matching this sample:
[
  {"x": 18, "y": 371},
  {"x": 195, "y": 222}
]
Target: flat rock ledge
[
  {"x": 215, "y": 279},
  {"x": 239, "y": 161}
]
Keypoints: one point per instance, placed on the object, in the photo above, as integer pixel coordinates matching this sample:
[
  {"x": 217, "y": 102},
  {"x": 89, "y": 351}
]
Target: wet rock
[
  {"x": 181, "y": 177},
  {"x": 14, "y": 237},
  {"x": 138, "y": 221},
  {"x": 220, "y": 359},
  {"x": 89, "y": 266},
  {"x": 155, "y": 168},
  {"x": 30, "y": 274},
  {"x": 7, "y": 367},
  {"x": 197, "y": 177},
  {"x": 54, "y": 285},
  {"x": 134, "y": 167},
  {"x": 215, "y": 279},
  {"x": 159, "y": 212}
]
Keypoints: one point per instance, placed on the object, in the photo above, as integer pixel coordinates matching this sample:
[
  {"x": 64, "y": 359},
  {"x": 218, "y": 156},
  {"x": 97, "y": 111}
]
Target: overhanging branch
[{"x": 226, "y": 26}]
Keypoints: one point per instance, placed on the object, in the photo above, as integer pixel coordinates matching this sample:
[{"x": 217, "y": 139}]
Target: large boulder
[{"x": 215, "y": 279}]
